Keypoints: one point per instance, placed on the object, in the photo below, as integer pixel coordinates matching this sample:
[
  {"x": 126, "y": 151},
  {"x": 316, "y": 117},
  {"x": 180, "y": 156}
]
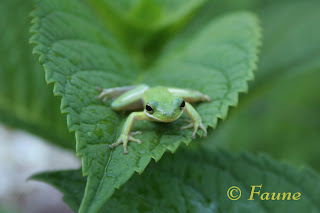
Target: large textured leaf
[
  {"x": 285, "y": 96},
  {"x": 218, "y": 60},
  {"x": 198, "y": 182},
  {"x": 25, "y": 100}
]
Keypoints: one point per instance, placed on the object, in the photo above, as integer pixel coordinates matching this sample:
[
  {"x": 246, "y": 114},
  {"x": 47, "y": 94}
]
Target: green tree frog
[{"x": 161, "y": 104}]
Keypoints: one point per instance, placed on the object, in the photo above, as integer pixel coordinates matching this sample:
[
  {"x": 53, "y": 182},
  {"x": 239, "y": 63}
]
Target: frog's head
[{"x": 165, "y": 111}]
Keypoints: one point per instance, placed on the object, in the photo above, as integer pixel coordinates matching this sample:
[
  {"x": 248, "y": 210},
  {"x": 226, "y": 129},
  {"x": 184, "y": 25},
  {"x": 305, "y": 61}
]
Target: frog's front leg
[
  {"x": 196, "y": 121},
  {"x": 126, "y": 135}
]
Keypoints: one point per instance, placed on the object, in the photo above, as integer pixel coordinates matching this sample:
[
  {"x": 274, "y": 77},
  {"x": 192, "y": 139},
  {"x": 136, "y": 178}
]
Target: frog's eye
[
  {"x": 149, "y": 109},
  {"x": 182, "y": 105}
]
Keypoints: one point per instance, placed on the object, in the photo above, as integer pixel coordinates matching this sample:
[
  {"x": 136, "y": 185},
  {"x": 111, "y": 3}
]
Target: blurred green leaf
[
  {"x": 285, "y": 97},
  {"x": 25, "y": 100},
  {"x": 218, "y": 60},
  {"x": 152, "y": 13},
  {"x": 291, "y": 44},
  {"x": 144, "y": 26},
  {"x": 143, "y": 16},
  {"x": 290, "y": 117},
  {"x": 198, "y": 182}
]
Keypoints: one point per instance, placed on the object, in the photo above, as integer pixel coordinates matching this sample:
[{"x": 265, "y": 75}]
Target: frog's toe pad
[
  {"x": 195, "y": 127},
  {"x": 135, "y": 140},
  {"x": 204, "y": 129},
  {"x": 135, "y": 133},
  {"x": 112, "y": 145}
]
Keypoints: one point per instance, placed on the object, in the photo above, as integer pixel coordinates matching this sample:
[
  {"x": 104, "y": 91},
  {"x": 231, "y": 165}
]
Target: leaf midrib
[{"x": 118, "y": 131}]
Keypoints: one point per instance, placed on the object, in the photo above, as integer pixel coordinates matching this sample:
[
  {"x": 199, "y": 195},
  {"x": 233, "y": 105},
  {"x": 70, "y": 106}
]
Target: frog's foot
[
  {"x": 206, "y": 98},
  {"x": 196, "y": 126},
  {"x": 124, "y": 139},
  {"x": 104, "y": 94}
]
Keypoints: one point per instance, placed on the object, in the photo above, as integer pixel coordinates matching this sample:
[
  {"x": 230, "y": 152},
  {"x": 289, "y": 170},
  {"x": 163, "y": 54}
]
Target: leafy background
[
  {"x": 283, "y": 96},
  {"x": 25, "y": 100},
  {"x": 180, "y": 184}
]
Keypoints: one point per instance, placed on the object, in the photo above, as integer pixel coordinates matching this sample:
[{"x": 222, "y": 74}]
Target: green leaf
[
  {"x": 25, "y": 100},
  {"x": 152, "y": 13},
  {"x": 294, "y": 32},
  {"x": 144, "y": 26},
  {"x": 198, "y": 182},
  {"x": 70, "y": 182},
  {"x": 285, "y": 97},
  {"x": 143, "y": 16},
  {"x": 290, "y": 116},
  {"x": 217, "y": 59}
]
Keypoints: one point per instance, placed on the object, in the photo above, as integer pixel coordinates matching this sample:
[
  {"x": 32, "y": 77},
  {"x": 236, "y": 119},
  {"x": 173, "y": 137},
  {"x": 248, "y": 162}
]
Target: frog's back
[{"x": 158, "y": 93}]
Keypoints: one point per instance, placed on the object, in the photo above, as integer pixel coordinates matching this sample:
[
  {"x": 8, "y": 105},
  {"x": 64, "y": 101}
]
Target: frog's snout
[{"x": 169, "y": 114}]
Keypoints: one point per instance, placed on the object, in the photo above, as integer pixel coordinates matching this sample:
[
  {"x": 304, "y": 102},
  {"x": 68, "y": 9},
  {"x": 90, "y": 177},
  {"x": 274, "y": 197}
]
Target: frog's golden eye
[
  {"x": 182, "y": 105},
  {"x": 149, "y": 109}
]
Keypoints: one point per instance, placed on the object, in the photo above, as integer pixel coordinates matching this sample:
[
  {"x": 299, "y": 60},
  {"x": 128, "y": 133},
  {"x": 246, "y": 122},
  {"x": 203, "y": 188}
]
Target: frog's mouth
[{"x": 160, "y": 120}]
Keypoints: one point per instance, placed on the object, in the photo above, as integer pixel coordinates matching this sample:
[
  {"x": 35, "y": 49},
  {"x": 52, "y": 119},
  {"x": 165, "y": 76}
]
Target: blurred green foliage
[
  {"x": 178, "y": 183},
  {"x": 26, "y": 101},
  {"x": 280, "y": 116}
]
